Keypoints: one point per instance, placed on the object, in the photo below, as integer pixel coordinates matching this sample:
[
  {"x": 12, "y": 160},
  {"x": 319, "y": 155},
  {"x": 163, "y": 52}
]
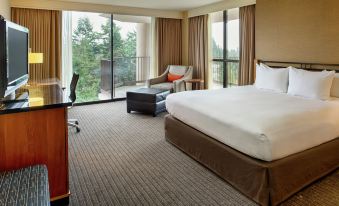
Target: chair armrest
[
  {"x": 179, "y": 85},
  {"x": 160, "y": 79},
  {"x": 157, "y": 80}
]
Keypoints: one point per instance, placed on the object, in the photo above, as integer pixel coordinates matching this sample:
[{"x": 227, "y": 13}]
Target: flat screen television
[{"x": 14, "y": 67}]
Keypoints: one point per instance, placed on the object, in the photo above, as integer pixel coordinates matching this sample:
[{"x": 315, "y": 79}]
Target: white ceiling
[{"x": 153, "y": 4}]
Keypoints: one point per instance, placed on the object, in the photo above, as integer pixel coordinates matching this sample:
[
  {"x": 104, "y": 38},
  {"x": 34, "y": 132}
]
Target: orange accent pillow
[{"x": 173, "y": 77}]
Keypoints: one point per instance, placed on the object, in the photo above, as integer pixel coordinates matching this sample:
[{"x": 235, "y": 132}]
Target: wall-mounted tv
[{"x": 14, "y": 67}]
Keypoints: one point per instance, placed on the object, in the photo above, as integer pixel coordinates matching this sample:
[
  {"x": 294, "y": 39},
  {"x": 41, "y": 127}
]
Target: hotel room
[{"x": 155, "y": 102}]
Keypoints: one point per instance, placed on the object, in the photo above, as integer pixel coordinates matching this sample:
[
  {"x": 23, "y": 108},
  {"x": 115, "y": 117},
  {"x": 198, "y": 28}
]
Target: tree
[
  {"x": 85, "y": 49},
  {"x": 232, "y": 67},
  {"x": 91, "y": 47},
  {"x": 125, "y": 65}
]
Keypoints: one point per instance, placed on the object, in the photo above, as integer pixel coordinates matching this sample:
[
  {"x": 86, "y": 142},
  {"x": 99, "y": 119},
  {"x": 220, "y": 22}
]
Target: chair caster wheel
[
  {"x": 78, "y": 130},
  {"x": 76, "y": 122}
]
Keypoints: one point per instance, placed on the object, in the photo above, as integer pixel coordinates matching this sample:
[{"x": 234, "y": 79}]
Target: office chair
[{"x": 73, "y": 97}]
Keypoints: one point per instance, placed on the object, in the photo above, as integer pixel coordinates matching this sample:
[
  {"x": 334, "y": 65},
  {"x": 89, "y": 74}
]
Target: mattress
[{"x": 262, "y": 124}]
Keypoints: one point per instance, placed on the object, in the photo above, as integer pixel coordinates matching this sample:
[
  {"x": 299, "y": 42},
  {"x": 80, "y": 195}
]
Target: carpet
[{"x": 123, "y": 159}]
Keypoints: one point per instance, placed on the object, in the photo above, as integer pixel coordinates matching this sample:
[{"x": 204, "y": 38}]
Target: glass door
[
  {"x": 111, "y": 53},
  {"x": 131, "y": 52},
  {"x": 91, "y": 55}
]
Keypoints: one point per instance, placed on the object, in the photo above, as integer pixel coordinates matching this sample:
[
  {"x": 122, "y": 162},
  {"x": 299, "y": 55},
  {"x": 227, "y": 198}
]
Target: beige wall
[
  {"x": 301, "y": 31},
  {"x": 60, "y": 5},
  {"x": 4, "y": 9},
  {"x": 219, "y": 6}
]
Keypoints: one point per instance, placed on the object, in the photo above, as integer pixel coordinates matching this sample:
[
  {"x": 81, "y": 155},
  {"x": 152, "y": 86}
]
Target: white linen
[
  {"x": 315, "y": 85},
  {"x": 261, "y": 124},
  {"x": 274, "y": 79}
]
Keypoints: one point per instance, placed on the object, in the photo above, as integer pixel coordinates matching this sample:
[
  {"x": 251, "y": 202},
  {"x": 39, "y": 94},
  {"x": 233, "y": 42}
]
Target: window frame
[{"x": 224, "y": 59}]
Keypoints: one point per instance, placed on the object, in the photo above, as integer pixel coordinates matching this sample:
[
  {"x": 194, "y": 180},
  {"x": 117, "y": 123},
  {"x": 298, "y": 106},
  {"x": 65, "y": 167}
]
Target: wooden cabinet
[{"x": 37, "y": 137}]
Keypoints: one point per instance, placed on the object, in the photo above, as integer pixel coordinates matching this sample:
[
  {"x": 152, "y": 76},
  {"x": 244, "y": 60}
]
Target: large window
[
  {"x": 131, "y": 50},
  {"x": 111, "y": 53},
  {"x": 225, "y": 48},
  {"x": 91, "y": 36}
]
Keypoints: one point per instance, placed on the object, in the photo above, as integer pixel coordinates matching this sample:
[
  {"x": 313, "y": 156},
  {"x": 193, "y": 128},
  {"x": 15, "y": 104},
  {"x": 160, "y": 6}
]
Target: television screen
[
  {"x": 13, "y": 58},
  {"x": 17, "y": 54}
]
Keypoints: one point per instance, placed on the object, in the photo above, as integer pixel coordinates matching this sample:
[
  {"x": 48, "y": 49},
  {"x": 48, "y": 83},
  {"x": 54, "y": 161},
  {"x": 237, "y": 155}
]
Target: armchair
[{"x": 175, "y": 86}]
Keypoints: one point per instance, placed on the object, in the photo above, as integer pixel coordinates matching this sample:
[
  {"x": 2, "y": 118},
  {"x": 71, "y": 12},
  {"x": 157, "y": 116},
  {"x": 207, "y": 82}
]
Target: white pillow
[
  {"x": 271, "y": 78},
  {"x": 314, "y": 85},
  {"x": 335, "y": 86}
]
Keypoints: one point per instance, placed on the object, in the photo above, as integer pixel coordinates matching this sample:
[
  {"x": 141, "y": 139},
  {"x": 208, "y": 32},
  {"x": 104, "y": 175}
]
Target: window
[
  {"x": 131, "y": 50},
  {"x": 225, "y": 48},
  {"x": 91, "y": 36},
  {"x": 111, "y": 53}
]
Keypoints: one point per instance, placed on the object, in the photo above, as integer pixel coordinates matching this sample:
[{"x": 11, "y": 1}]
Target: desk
[{"x": 36, "y": 132}]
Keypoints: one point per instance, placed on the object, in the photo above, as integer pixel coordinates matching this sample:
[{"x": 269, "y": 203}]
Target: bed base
[{"x": 267, "y": 183}]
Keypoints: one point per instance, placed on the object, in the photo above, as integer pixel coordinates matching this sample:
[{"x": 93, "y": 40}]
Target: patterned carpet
[{"x": 123, "y": 159}]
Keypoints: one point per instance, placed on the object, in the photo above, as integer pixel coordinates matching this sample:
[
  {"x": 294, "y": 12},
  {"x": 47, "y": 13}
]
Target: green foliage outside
[
  {"x": 91, "y": 47},
  {"x": 233, "y": 68}
]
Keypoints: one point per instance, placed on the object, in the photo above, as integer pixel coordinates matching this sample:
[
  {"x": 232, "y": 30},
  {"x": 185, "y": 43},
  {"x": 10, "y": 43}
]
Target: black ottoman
[{"x": 147, "y": 100}]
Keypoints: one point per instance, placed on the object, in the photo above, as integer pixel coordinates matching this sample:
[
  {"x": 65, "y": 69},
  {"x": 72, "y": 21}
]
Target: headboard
[{"x": 299, "y": 65}]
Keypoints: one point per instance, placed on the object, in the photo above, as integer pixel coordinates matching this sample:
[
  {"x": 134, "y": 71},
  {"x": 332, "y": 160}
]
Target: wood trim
[
  {"x": 61, "y": 196},
  {"x": 299, "y": 65}
]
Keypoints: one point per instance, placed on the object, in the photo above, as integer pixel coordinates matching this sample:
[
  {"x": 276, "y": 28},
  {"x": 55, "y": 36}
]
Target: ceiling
[{"x": 180, "y": 5}]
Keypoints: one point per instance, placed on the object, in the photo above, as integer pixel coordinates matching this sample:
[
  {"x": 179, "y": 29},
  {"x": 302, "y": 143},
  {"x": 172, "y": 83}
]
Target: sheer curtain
[
  {"x": 247, "y": 45},
  {"x": 67, "y": 63}
]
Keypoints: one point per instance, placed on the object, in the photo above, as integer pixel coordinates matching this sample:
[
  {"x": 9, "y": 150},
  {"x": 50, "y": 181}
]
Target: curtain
[
  {"x": 198, "y": 47},
  {"x": 247, "y": 45},
  {"x": 67, "y": 49},
  {"x": 169, "y": 42},
  {"x": 45, "y": 37}
]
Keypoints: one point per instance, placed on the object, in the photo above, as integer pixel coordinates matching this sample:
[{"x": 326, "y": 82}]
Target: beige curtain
[
  {"x": 247, "y": 45},
  {"x": 169, "y": 42},
  {"x": 45, "y": 37},
  {"x": 198, "y": 46}
]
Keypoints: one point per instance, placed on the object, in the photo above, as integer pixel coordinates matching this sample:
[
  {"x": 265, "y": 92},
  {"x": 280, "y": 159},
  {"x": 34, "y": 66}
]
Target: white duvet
[{"x": 261, "y": 124}]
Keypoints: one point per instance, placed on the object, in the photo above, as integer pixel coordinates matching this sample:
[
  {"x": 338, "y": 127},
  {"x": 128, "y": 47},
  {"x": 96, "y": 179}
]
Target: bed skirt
[{"x": 267, "y": 183}]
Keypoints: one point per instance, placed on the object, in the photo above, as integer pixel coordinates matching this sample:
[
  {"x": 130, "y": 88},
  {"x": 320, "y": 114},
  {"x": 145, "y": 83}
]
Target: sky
[{"x": 233, "y": 34}]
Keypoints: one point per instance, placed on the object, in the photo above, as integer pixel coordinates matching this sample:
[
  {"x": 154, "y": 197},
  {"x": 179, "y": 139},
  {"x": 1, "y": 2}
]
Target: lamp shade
[{"x": 35, "y": 58}]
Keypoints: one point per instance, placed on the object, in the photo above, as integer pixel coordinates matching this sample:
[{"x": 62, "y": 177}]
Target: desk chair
[{"x": 73, "y": 97}]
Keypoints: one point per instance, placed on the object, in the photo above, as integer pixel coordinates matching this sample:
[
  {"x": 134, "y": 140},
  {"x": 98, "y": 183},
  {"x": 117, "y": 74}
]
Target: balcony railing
[
  {"x": 232, "y": 72},
  {"x": 128, "y": 71}
]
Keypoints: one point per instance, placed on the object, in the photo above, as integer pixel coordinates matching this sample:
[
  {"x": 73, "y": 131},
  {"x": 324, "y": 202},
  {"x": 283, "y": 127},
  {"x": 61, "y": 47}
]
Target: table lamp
[{"x": 35, "y": 58}]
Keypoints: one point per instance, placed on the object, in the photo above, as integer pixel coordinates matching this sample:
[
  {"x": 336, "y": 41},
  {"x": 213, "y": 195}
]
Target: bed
[{"x": 281, "y": 145}]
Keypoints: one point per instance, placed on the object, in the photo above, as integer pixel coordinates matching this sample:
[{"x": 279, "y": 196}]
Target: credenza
[{"x": 33, "y": 130}]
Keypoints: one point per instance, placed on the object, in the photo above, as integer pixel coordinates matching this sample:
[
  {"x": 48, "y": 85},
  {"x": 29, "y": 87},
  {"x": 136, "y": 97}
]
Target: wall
[
  {"x": 300, "y": 31},
  {"x": 100, "y": 8},
  {"x": 4, "y": 9},
  {"x": 219, "y": 6}
]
